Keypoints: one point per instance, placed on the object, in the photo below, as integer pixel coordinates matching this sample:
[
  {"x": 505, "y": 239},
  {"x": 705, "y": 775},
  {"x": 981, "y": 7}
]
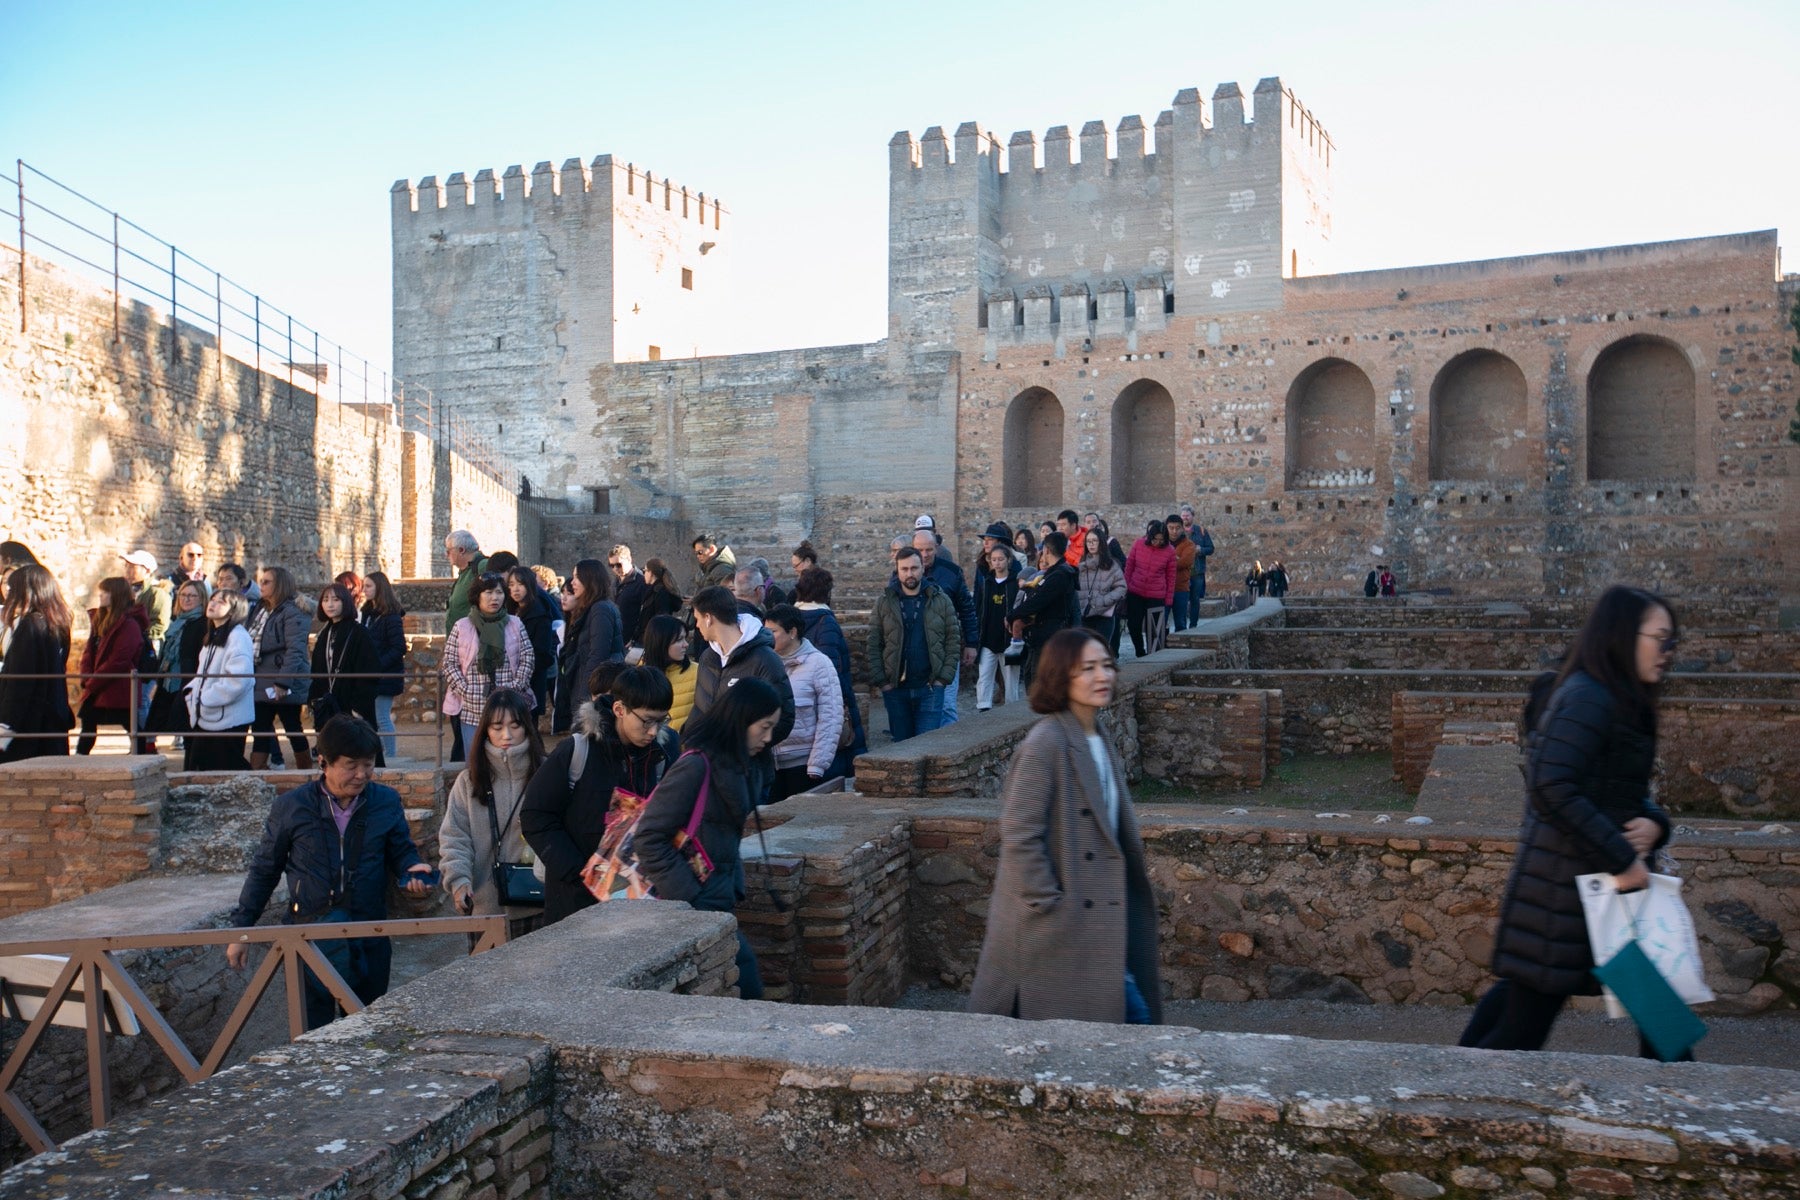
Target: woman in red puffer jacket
[
  {"x": 118, "y": 631},
  {"x": 1149, "y": 581}
]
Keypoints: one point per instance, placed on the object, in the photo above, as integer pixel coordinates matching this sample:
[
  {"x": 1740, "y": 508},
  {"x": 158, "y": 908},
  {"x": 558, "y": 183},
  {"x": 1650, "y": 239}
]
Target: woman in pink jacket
[{"x": 1149, "y": 581}]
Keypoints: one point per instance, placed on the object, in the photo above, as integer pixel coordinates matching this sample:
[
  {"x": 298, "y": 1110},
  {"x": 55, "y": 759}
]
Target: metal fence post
[{"x": 19, "y": 166}]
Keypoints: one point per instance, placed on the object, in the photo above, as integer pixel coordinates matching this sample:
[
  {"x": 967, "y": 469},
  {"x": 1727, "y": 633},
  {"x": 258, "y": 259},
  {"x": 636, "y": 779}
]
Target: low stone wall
[
  {"x": 970, "y": 757},
  {"x": 494, "y": 1085},
  {"x": 70, "y": 826},
  {"x": 1724, "y": 757},
  {"x": 1202, "y": 737},
  {"x": 1281, "y": 905},
  {"x": 1502, "y": 649},
  {"x": 1351, "y": 712},
  {"x": 191, "y": 987},
  {"x": 1540, "y": 612}
]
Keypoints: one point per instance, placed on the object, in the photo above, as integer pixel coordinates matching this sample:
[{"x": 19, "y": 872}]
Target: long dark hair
[
  {"x": 1606, "y": 649},
  {"x": 661, "y": 632},
  {"x": 32, "y": 589},
  {"x": 346, "y": 604},
  {"x": 595, "y": 586},
  {"x": 722, "y": 731},
  {"x": 1155, "y": 530},
  {"x": 534, "y": 591},
  {"x": 657, "y": 572},
  {"x": 119, "y": 602},
  {"x": 514, "y": 704}
]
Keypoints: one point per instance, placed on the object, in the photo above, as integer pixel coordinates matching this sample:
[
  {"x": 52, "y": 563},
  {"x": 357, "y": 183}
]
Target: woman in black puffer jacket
[{"x": 1588, "y": 762}]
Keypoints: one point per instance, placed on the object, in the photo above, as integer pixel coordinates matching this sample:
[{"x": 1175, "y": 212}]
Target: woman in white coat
[{"x": 221, "y": 700}]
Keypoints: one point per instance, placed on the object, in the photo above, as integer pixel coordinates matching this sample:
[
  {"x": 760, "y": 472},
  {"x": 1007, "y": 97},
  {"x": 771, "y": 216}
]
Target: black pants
[
  {"x": 790, "y": 781},
  {"x": 216, "y": 750},
  {"x": 93, "y": 716},
  {"x": 456, "y": 746},
  {"x": 750, "y": 984},
  {"x": 365, "y": 964},
  {"x": 1137, "y": 612},
  {"x": 1106, "y": 627},
  {"x": 266, "y": 714},
  {"x": 1515, "y": 1017}
]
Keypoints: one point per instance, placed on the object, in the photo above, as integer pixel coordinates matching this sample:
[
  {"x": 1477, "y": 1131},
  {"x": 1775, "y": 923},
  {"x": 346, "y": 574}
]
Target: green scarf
[{"x": 492, "y": 632}]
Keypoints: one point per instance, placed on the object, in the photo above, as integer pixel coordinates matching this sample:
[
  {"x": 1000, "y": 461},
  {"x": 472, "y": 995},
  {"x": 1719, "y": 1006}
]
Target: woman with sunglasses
[{"x": 1590, "y": 748}]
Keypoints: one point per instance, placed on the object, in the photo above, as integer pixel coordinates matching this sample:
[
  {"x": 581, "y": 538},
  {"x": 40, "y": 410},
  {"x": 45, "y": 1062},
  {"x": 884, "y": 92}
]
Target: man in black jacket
[
  {"x": 337, "y": 839},
  {"x": 629, "y": 591},
  {"x": 628, "y": 745},
  {"x": 1049, "y": 603},
  {"x": 737, "y": 645}
]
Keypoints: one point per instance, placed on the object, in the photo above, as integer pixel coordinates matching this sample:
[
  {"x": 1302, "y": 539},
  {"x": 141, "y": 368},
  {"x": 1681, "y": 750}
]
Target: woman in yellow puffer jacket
[{"x": 666, "y": 649}]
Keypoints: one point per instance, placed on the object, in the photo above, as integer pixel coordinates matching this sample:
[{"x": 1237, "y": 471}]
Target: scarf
[{"x": 492, "y": 632}]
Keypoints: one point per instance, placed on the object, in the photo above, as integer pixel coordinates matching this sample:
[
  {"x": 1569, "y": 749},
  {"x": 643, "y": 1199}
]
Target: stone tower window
[
  {"x": 1478, "y": 419},
  {"x": 1033, "y": 451},
  {"x": 1641, "y": 412},
  {"x": 1143, "y": 445},
  {"x": 1330, "y": 426}
]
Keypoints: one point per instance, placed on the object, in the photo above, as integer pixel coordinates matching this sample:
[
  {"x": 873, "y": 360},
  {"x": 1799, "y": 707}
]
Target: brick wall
[
  {"x": 1723, "y": 757},
  {"x": 1195, "y": 737},
  {"x": 71, "y": 826},
  {"x": 1489, "y": 649}
]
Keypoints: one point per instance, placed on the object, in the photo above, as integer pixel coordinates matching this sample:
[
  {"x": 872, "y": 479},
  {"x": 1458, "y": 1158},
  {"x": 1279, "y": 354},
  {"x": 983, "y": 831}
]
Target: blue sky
[{"x": 263, "y": 138}]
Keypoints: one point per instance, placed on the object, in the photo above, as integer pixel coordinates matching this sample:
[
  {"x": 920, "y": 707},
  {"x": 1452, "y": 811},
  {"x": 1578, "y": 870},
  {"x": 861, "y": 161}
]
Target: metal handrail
[
  {"x": 90, "y": 960},
  {"x": 133, "y": 261}
]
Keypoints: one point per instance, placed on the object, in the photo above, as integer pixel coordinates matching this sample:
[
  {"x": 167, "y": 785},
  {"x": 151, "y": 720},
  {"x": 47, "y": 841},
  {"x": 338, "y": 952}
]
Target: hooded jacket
[
  {"x": 818, "y": 712},
  {"x": 887, "y": 636},
  {"x": 730, "y": 791},
  {"x": 1150, "y": 572},
  {"x": 753, "y": 656},
  {"x": 994, "y": 609},
  {"x": 1102, "y": 586},
  {"x": 827, "y": 637},
  {"x": 220, "y": 694},
  {"x": 563, "y": 824},
  {"x": 1049, "y": 601},
  {"x": 950, "y": 579}
]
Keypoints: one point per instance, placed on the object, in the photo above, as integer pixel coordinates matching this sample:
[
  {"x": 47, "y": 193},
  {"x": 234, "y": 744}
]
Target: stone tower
[
  {"x": 1208, "y": 218},
  {"x": 508, "y": 291}
]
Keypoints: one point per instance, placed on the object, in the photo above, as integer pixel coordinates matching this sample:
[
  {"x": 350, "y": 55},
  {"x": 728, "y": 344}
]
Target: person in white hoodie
[
  {"x": 220, "y": 697},
  {"x": 486, "y": 799},
  {"x": 803, "y": 759}
]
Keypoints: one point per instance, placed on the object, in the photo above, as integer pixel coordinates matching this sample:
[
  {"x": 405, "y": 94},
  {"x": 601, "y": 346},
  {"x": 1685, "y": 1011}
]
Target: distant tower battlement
[
  {"x": 509, "y": 289},
  {"x": 1193, "y": 216}
]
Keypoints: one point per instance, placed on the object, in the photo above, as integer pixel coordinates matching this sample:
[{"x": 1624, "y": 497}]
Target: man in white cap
[
  {"x": 156, "y": 595},
  {"x": 930, "y": 526}
]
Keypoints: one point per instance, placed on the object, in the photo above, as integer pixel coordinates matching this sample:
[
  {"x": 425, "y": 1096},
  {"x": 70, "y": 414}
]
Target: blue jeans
[
  {"x": 949, "y": 717},
  {"x": 1183, "y": 600},
  {"x": 1137, "y": 1009},
  {"x": 913, "y": 710},
  {"x": 384, "y": 722},
  {"x": 1197, "y": 590}
]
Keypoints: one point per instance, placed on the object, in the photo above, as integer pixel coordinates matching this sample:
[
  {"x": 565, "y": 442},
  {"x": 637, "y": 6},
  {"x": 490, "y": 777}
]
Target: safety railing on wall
[
  {"x": 79, "y": 981},
  {"x": 137, "y": 725},
  {"x": 61, "y": 225}
]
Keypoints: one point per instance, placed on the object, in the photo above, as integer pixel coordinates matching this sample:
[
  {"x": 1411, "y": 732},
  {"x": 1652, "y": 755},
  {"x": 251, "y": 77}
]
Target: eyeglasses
[
  {"x": 656, "y": 721},
  {"x": 1667, "y": 645}
]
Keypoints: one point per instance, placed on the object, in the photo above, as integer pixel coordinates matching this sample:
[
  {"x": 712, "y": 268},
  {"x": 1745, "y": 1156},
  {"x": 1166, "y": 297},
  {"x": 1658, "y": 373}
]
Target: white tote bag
[{"x": 1657, "y": 919}]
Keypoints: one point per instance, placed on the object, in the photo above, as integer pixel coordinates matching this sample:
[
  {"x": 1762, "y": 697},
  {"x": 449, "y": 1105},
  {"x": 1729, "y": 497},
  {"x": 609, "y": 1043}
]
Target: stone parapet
[{"x": 70, "y": 826}]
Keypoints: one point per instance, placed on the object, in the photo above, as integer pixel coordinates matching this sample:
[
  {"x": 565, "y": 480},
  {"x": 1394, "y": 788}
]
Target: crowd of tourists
[{"x": 694, "y": 711}]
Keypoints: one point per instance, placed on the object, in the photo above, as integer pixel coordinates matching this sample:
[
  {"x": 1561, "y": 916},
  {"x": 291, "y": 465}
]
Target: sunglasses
[{"x": 1666, "y": 645}]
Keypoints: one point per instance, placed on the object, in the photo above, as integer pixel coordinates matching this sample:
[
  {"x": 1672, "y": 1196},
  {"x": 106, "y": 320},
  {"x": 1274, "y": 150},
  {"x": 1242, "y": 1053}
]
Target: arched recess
[
  {"x": 1143, "y": 445},
  {"x": 1330, "y": 426},
  {"x": 1478, "y": 419},
  {"x": 1033, "y": 465},
  {"x": 1641, "y": 411}
]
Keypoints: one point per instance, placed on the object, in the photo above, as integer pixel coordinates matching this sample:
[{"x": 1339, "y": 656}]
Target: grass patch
[{"x": 1320, "y": 783}]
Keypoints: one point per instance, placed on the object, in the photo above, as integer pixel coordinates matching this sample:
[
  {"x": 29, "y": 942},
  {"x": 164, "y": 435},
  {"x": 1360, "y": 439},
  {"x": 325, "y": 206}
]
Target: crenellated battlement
[{"x": 487, "y": 195}]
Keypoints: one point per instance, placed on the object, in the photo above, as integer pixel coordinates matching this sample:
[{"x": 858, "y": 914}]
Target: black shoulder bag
[{"x": 516, "y": 883}]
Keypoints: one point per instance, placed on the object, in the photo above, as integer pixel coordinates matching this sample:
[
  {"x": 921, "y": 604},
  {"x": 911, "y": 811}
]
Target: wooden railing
[{"x": 88, "y": 977}]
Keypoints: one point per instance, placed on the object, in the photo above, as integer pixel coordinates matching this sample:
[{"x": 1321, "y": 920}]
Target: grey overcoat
[{"x": 1072, "y": 908}]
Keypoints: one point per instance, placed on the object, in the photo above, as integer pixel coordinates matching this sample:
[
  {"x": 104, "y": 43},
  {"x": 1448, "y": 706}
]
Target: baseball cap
[
  {"x": 925, "y": 522},
  {"x": 141, "y": 558}
]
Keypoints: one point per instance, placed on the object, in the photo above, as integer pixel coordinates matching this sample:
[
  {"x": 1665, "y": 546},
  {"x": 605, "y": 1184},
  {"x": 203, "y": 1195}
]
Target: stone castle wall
[{"x": 156, "y": 439}]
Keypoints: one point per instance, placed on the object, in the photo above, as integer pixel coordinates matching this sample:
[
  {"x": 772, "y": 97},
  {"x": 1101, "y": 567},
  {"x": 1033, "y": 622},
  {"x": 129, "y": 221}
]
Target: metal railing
[
  {"x": 91, "y": 977},
  {"x": 135, "y": 730},
  {"x": 64, "y": 226}
]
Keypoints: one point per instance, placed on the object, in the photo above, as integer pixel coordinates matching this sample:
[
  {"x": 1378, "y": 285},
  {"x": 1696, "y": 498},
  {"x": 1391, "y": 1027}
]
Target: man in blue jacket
[
  {"x": 949, "y": 579},
  {"x": 337, "y": 839}
]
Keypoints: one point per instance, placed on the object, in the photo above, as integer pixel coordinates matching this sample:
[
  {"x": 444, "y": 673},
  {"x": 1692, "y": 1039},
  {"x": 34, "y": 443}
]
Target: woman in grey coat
[
  {"x": 1072, "y": 926},
  {"x": 278, "y": 629}
]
